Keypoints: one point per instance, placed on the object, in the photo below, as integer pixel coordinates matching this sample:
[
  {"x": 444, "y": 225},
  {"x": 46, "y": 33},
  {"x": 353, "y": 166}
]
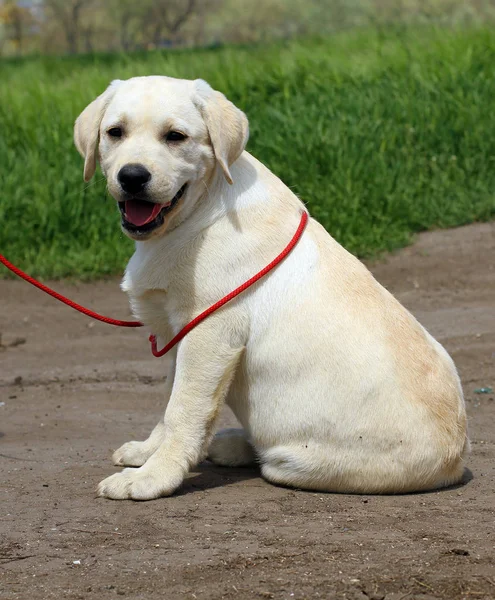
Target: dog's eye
[
  {"x": 115, "y": 132},
  {"x": 175, "y": 136}
]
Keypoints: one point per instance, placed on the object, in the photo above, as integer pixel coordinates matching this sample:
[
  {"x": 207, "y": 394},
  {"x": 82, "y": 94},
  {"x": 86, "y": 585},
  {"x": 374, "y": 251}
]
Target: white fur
[{"x": 337, "y": 386}]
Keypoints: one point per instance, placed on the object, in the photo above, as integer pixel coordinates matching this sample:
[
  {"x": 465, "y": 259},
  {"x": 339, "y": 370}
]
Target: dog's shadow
[
  {"x": 467, "y": 476},
  {"x": 208, "y": 476}
]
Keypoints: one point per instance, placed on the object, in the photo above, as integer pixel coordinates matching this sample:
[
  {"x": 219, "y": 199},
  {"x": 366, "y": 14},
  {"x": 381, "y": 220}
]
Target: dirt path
[{"x": 74, "y": 390}]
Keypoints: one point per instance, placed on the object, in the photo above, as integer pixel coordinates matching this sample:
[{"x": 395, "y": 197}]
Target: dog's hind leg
[{"x": 231, "y": 448}]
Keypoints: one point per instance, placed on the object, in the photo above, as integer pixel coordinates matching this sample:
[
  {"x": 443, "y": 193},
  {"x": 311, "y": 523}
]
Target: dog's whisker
[
  {"x": 93, "y": 183},
  {"x": 207, "y": 189}
]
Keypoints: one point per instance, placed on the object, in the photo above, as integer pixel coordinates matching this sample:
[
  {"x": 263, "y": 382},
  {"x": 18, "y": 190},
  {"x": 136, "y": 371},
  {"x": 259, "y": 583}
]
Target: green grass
[{"x": 381, "y": 135}]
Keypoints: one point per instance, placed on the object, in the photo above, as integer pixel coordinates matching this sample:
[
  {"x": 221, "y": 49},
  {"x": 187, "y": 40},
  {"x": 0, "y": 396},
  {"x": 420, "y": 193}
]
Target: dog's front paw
[
  {"x": 132, "y": 454},
  {"x": 138, "y": 484}
]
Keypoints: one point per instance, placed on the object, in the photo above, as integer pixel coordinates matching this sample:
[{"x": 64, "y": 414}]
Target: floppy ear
[
  {"x": 227, "y": 125},
  {"x": 87, "y": 129}
]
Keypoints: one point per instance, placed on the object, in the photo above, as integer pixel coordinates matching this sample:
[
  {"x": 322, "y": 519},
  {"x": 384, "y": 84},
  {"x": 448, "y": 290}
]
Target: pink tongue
[{"x": 139, "y": 213}]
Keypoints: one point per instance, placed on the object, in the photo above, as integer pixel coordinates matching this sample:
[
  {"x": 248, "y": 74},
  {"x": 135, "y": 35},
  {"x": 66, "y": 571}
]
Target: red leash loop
[{"x": 183, "y": 332}]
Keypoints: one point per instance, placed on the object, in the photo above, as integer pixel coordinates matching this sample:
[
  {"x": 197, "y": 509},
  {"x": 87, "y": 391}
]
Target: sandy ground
[{"x": 73, "y": 390}]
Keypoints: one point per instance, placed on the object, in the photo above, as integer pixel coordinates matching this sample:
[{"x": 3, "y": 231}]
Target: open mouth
[{"x": 141, "y": 216}]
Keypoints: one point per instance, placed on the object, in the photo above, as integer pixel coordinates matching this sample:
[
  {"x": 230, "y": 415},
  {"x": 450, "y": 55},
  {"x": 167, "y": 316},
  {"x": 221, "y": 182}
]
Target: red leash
[
  {"x": 183, "y": 332},
  {"x": 84, "y": 311}
]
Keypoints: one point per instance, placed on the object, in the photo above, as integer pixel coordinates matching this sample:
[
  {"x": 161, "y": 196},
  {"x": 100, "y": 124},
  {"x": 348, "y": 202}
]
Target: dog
[{"x": 337, "y": 387}]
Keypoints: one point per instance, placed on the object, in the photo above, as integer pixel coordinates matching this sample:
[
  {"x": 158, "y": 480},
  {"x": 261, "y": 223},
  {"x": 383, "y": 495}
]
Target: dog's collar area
[
  {"x": 185, "y": 330},
  {"x": 135, "y": 206}
]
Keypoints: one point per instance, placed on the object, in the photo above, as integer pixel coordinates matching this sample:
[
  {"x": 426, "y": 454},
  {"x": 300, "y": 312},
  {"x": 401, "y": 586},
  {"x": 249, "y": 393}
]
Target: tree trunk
[
  {"x": 125, "y": 41},
  {"x": 88, "y": 40},
  {"x": 157, "y": 35},
  {"x": 174, "y": 26},
  {"x": 18, "y": 32},
  {"x": 72, "y": 40}
]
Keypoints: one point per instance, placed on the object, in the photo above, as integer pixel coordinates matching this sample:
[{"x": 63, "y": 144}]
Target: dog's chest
[
  {"x": 151, "y": 308},
  {"x": 146, "y": 284}
]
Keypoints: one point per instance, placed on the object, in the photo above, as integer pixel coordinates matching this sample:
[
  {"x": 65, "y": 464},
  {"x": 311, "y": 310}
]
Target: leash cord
[
  {"x": 71, "y": 303},
  {"x": 233, "y": 294},
  {"x": 192, "y": 324}
]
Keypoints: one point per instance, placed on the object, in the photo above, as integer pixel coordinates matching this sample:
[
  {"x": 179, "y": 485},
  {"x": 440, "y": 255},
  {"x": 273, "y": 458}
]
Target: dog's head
[{"x": 158, "y": 141}]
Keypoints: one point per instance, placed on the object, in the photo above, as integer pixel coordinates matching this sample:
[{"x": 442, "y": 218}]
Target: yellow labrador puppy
[{"x": 338, "y": 388}]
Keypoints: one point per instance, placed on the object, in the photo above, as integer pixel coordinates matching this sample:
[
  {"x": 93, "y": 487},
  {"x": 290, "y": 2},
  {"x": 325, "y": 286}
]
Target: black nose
[{"x": 133, "y": 178}]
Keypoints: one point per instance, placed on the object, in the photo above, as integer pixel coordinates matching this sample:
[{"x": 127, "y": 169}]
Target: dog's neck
[{"x": 256, "y": 201}]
